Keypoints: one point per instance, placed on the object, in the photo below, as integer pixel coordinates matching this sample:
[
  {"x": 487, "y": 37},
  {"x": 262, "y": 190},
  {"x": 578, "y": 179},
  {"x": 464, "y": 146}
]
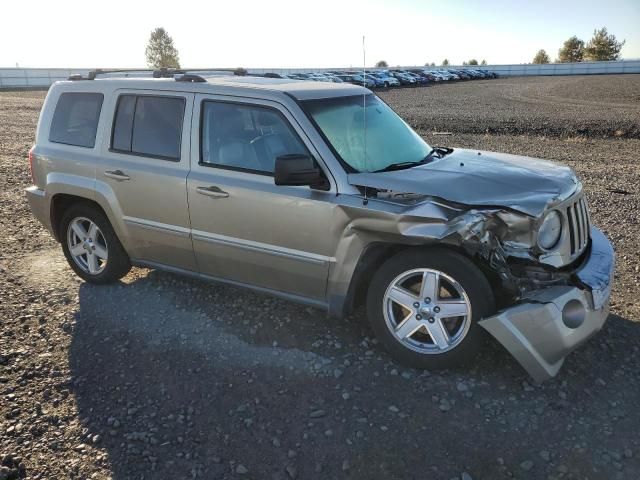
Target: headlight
[{"x": 550, "y": 230}]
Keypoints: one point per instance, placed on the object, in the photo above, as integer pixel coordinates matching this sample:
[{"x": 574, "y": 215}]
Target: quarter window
[
  {"x": 75, "y": 119},
  {"x": 149, "y": 126},
  {"x": 245, "y": 137}
]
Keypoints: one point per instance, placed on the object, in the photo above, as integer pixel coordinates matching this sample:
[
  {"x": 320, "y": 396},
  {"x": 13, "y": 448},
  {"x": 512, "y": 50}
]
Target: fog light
[{"x": 573, "y": 313}]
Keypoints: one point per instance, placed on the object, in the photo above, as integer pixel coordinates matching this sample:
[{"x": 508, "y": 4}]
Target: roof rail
[
  {"x": 159, "y": 73},
  {"x": 190, "y": 78}
]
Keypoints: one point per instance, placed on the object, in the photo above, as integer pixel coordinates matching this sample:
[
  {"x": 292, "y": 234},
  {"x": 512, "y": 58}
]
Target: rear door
[{"x": 143, "y": 171}]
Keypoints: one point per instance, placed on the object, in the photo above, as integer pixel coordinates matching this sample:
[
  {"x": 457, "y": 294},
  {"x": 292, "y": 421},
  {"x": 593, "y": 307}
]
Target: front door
[{"x": 245, "y": 228}]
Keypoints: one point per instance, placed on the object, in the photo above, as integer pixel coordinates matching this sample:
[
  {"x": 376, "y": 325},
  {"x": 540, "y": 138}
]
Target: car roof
[{"x": 232, "y": 84}]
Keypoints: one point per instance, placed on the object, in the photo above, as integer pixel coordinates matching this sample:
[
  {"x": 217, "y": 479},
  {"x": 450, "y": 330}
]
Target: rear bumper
[
  {"x": 39, "y": 204},
  {"x": 543, "y": 328}
]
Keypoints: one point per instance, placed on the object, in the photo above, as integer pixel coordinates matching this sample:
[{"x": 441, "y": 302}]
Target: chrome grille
[{"x": 579, "y": 225}]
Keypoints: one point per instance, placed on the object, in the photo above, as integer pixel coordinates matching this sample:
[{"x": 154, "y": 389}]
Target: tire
[
  {"x": 105, "y": 244},
  {"x": 460, "y": 280}
]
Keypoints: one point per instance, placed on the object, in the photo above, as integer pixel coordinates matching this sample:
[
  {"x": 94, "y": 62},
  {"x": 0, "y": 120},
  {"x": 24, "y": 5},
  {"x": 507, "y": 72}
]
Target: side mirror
[{"x": 297, "y": 169}]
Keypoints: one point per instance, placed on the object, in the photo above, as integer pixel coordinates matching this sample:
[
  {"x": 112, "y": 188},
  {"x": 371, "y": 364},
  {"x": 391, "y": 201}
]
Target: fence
[{"x": 44, "y": 77}]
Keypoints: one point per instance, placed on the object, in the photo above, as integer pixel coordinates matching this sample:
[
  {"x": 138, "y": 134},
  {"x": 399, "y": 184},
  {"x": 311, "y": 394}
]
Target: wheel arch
[
  {"x": 61, "y": 202},
  {"x": 376, "y": 253}
]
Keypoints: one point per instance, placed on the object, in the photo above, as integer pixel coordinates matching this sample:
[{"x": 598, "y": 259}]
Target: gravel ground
[
  {"x": 161, "y": 377},
  {"x": 603, "y": 106}
]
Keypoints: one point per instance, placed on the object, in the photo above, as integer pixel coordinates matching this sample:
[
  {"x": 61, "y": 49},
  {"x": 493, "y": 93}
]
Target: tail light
[{"x": 31, "y": 156}]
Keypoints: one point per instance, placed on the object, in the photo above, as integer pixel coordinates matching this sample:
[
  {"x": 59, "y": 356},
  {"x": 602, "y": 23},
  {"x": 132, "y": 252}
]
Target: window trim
[
  {"x": 53, "y": 116},
  {"x": 245, "y": 104},
  {"x": 140, "y": 154}
]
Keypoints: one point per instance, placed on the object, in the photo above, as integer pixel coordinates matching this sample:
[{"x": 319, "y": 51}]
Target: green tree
[
  {"x": 541, "y": 57},
  {"x": 473, "y": 61},
  {"x": 382, "y": 64},
  {"x": 160, "y": 51},
  {"x": 483, "y": 62},
  {"x": 445, "y": 62},
  {"x": 603, "y": 46},
  {"x": 572, "y": 50}
]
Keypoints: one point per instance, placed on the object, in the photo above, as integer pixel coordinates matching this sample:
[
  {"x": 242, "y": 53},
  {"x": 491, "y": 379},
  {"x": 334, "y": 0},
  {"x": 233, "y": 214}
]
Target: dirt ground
[{"x": 161, "y": 377}]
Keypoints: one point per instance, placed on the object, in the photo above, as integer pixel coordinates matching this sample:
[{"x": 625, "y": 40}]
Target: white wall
[
  {"x": 44, "y": 77},
  {"x": 34, "y": 77}
]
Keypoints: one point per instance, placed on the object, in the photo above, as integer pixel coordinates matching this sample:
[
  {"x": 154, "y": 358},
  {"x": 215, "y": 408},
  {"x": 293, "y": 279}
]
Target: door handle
[
  {"x": 212, "y": 191},
  {"x": 116, "y": 175}
]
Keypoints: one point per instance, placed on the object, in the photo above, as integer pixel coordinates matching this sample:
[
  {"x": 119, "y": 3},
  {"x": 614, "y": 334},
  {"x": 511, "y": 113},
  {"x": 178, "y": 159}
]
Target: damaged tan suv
[{"x": 321, "y": 194}]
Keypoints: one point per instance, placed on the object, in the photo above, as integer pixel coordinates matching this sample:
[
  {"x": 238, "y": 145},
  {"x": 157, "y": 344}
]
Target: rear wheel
[
  {"x": 424, "y": 307},
  {"x": 91, "y": 246}
]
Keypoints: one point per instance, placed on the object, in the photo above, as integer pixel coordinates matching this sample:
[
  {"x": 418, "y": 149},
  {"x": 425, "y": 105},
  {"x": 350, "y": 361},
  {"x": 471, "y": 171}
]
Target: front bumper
[{"x": 543, "y": 328}]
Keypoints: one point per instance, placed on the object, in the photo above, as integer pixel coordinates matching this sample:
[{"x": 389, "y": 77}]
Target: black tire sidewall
[
  {"x": 118, "y": 263},
  {"x": 461, "y": 269}
]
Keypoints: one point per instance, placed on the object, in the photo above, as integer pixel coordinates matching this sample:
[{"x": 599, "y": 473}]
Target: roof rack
[
  {"x": 180, "y": 74},
  {"x": 190, "y": 78}
]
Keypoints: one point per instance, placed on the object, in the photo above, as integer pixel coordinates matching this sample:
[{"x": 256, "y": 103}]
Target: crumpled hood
[{"x": 481, "y": 178}]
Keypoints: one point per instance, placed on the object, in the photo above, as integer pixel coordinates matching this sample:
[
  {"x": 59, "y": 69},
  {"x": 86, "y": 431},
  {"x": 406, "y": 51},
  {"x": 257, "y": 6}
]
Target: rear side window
[
  {"x": 147, "y": 125},
  {"x": 75, "y": 119}
]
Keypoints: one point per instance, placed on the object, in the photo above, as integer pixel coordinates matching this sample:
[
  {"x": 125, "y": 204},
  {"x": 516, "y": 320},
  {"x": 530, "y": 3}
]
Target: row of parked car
[{"x": 391, "y": 77}]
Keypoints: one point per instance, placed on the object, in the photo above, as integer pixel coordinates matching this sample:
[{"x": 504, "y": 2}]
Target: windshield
[{"x": 387, "y": 140}]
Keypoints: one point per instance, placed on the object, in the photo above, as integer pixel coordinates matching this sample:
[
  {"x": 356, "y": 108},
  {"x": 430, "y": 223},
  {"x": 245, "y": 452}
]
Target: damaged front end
[
  {"x": 549, "y": 301},
  {"x": 545, "y": 325}
]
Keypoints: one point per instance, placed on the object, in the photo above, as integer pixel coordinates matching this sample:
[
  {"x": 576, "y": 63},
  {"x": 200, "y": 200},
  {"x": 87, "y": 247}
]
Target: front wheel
[{"x": 424, "y": 307}]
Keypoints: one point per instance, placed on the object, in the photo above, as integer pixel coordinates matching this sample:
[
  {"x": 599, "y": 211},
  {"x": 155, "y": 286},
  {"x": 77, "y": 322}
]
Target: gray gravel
[
  {"x": 596, "y": 106},
  {"x": 166, "y": 378}
]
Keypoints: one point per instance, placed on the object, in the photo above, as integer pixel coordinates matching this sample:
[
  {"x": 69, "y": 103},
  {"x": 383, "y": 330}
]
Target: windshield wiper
[
  {"x": 439, "y": 151},
  {"x": 402, "y": 165}
]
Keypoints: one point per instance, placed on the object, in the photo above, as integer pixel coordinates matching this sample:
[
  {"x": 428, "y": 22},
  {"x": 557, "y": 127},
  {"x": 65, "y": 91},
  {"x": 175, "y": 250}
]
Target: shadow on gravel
[{"x": 183, "y": 380}]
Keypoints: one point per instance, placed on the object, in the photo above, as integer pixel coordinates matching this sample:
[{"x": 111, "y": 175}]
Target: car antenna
[{"x": 365, "y": 201}]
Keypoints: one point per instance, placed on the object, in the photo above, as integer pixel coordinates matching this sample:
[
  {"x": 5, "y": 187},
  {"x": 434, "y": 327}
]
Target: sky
[{"x": 304, "y": 34}]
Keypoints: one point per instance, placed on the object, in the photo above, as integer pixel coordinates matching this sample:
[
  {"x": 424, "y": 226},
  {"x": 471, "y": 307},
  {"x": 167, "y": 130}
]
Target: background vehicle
[
  {"x": 461, "y": 74},
  {"x": 489, "y": 74},
  {"x": 391, "y": 78},
  {"x": 357, "y": 79},
  {"x": 403, "y": 78},
  {"x": 275, "y": 75},
  {"x": 420, "y": 80},
  {"x": 441, "y": 77},
  {"x": 388, "y": 80},
  {"x": 378, "y": 82}
]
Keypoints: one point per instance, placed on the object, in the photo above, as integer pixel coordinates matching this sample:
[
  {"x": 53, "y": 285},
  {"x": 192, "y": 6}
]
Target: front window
[
  {"x": 245, "y": 137},
  {"x": 366, "y": 133}
]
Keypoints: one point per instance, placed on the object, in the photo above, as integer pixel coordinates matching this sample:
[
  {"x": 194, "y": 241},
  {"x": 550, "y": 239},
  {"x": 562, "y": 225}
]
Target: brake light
[{"x": 31, "y": 156}]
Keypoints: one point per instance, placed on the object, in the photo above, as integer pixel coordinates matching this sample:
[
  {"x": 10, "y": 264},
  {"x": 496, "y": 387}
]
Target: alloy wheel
[
  {"x": 427, "y": 311},
  {"x": 87, "y": 245}
]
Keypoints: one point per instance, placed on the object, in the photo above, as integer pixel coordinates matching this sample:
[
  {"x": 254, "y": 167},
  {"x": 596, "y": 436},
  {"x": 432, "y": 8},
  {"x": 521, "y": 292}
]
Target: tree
[
  {"x": 483, "y": 62},
  {"x": 382, "y": 64},
  {"x": 465, "y": 63},
  {"x": 541, "y": 57},
  {"x": 603, "y": 46},
  {"x": 160, "y": 50},
  {"x": 445, "y": 62},
  {"x": 572, "y": 50},
  {"x": 473, "y": 61}
]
